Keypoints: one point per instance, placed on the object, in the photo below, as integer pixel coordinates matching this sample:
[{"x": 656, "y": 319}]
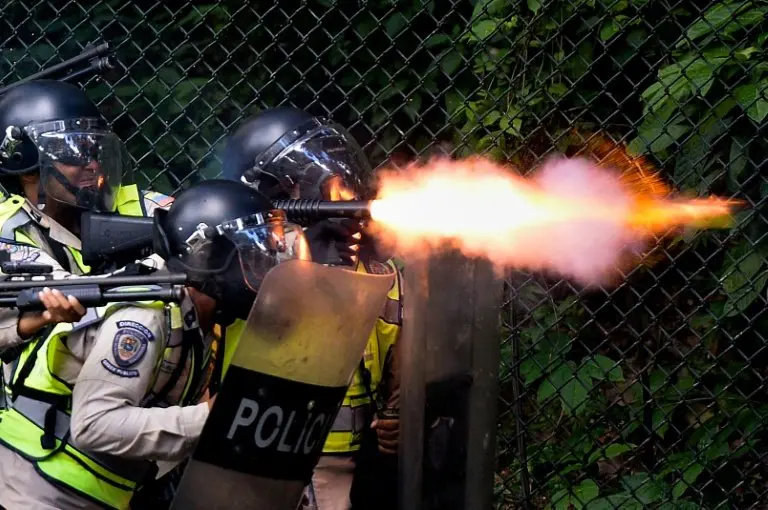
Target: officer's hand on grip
[
  {"x": 334, "y": 241},
  {"x": 58, "y": 308},
  {"x": 387, "y": 430}
]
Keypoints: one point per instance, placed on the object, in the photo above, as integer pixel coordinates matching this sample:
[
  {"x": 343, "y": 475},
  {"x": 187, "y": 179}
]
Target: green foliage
[{"x": 645, "y": 396}]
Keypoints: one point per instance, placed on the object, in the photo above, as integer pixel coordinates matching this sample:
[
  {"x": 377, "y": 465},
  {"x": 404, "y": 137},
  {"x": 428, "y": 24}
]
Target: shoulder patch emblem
[
  {"x": 159, "y": 199},
  {"x": 376, "y": 267},
  {"x": 128, "y": 348},
  {"x": 20, "y": 252}
]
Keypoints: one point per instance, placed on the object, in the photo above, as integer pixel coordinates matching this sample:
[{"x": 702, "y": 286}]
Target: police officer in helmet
[
  {"x": 289, "y": 153},
  {"x": 57, "y": 152},
  {"x": 54, "y": 130},
  {"x": 226, "y": 236},
  {"x": 127, "y": 415}
]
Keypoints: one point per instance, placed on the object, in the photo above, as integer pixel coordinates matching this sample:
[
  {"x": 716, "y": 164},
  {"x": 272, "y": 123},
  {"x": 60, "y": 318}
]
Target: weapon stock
[{"x": 113, "y": 238}]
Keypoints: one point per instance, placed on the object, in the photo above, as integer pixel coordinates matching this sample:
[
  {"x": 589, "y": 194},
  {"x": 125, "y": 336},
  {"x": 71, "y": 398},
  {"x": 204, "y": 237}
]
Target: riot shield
[
  {"x": 449, "y": 385},
  {"x": 302, "y": 342}
]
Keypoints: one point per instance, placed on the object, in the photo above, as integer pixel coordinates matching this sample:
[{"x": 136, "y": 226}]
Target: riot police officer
[
  {"x": 288, "y": 153},
  {"x": 56, "y": 146},
  {"x": 103, "y": 403}
]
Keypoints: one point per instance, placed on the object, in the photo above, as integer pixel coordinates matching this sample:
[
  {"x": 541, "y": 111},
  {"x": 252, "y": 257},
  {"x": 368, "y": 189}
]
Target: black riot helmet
[
  {"x": 53, "y": 128},
  {"x": 288, "y": 153},
  {"x": 226, "y": 236}
]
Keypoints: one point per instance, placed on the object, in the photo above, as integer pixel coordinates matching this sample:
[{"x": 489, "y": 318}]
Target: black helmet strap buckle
[
  {"x": 202, "y": 235},
  {"x": 62, "y": 179}
]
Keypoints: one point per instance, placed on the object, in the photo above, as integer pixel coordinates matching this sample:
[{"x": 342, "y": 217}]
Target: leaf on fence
[
  {"x": 576, "y": 391},
  {"x": 656, "y": 135},
  {"x": 437, "y": 40},
  {"x": 561, "y": 500},
  {"x": 485, "y": 8},
  {"x": 689, "y": 476},
  {"x": 753, "y": 98},
  {"x": 645, "y": 489},
  {"x": 511, "y": 127},
  {"x": 450, "y": 60},
  {"x": 721, "y": 15},
  {"x": 534, "y": 6},
  {"x": 610, "y": 451},
  {"x": 454, "y": 102},
  {"x": 601, "y": 368},
  {"x": 622, "y": 501},
  {"x": 534, "y": 366},
  {"x": 395, "y": 24},
  {"x": 741, "y": 284},
  {"x": 554, "y": 383},
  {"x": 609, "y": 29},
  {"x": 694, "y": 161},
  {"x": 483, "y": 29},
  {"x": 700, "y": 73},
  {"x": 584, "y": 493},
  {"x": 738, "y": 158},
  {"x": 491, "y": 118}
]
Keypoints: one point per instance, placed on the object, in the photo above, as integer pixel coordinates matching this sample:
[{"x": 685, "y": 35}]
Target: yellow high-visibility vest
[{"x": 27, "y": 427}]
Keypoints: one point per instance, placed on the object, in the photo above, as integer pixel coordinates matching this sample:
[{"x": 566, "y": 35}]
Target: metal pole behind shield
[{"x": 449, "y": 386}]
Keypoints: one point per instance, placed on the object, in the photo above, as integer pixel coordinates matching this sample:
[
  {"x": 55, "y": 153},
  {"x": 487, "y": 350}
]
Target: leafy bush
[{"x": 650, "y": 394}]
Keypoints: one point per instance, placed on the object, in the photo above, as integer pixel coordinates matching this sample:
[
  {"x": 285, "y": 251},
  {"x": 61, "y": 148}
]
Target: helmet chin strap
[{"x": 74, "y": 190}]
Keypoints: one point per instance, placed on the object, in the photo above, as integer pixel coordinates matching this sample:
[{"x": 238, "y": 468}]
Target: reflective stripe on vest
[
  {"x": 13, "y": 217},
  {"x": 354, "y": 417},
  {"x": 132, "y": 202},
  {"x": 128, "y": 201},
  {"x": 101, "y": 478},
  {"x": 231, "y": 337}
]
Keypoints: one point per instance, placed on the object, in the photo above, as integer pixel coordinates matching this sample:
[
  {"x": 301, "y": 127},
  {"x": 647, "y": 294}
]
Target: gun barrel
[
  {"x": 97, "y": 67},
  {"x": 85, "y": 56},
  {"x": 92, "y": 295},
  {"x": 101, "y": 281},
  {"x": 300, "y": 210}
]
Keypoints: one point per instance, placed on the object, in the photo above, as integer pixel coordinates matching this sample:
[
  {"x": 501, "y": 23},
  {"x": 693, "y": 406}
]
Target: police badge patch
[
  {"x": 376, "y": 267},
  {"x": 128, "y": 348},
  {"x": 20, "y": 252}
]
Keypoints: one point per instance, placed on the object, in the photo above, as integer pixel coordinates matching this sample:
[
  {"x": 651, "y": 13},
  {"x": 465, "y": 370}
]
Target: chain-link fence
[{"x": 650, "y": 395}]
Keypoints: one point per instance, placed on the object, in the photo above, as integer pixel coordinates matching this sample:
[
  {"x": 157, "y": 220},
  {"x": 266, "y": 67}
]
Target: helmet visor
[
  {"x": 263, "y": 245},
  {"x": 81, "y": 165},
  {"x": 317, "y": 161}
]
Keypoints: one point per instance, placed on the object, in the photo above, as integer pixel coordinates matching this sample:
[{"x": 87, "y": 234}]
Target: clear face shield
[
  {"x": 82, "y": 163},
  {"x": 262, "y": 241},
  {"x": 316, "y": 161}
]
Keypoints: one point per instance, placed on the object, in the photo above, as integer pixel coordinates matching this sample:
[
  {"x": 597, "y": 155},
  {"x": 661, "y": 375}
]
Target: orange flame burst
[{"x": 579, "y": 219}]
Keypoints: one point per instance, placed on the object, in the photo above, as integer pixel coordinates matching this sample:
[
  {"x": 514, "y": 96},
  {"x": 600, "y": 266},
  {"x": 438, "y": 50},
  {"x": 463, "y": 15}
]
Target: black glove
[{"x": 335, "y": 241}]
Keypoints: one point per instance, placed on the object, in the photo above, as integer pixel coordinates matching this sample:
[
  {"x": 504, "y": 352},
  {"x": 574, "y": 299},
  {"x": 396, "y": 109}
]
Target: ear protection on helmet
[{"x": 18, "y": 154}]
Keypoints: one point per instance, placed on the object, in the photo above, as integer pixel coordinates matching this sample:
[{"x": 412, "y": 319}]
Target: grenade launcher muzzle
[{"x": 307, "y": 211}]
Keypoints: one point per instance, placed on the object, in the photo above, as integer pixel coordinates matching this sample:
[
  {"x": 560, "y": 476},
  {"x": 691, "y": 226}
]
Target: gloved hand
[
  {"x": 388, "y": 431},
  {"x": 335, "y": 241}
]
